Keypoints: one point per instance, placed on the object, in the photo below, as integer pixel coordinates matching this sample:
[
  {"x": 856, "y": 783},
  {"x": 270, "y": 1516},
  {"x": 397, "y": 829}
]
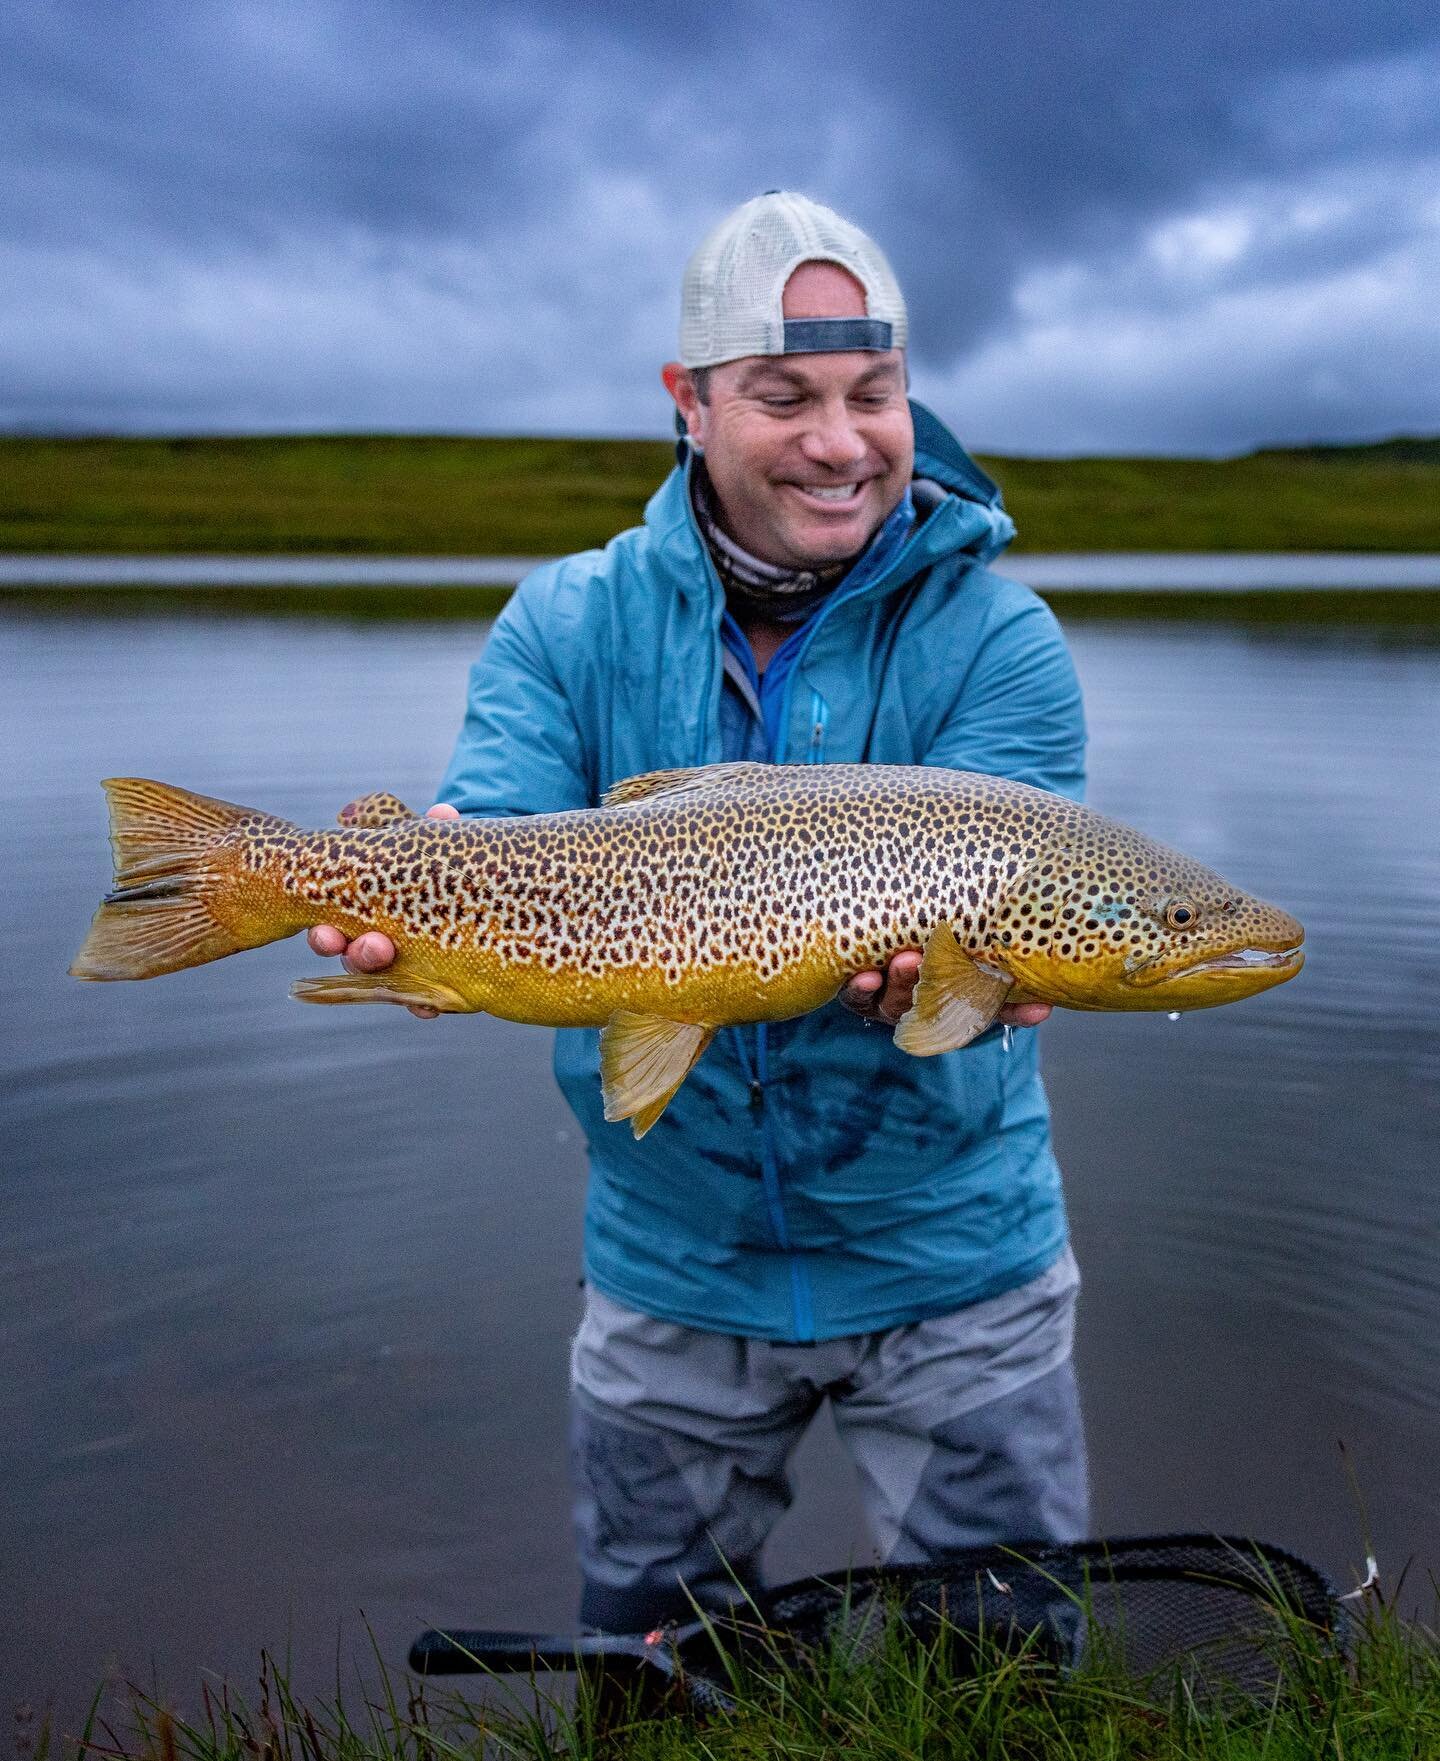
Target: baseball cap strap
[{"x": 824, "y": 336}]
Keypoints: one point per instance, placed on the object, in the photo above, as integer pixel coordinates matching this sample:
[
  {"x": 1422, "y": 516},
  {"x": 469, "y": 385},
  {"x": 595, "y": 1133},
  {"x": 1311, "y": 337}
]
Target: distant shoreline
[{"x": 413, "y": 496}]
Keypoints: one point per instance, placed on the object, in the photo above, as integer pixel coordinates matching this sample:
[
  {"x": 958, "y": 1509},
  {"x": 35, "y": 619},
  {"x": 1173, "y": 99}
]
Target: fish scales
[
  {"x": 698, "y": 899},
  {"x": 800, "y": 880}
]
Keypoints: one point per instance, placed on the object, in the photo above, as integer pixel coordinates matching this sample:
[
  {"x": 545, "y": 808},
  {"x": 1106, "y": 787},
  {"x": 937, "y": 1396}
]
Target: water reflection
[{"x": 289, "y": 1290}]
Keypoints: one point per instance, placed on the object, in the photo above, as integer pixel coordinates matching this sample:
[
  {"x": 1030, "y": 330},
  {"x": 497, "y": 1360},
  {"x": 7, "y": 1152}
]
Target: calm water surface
[
  {"x": 1145, "y": 571},
  {"x": 287, "y": 1293}
]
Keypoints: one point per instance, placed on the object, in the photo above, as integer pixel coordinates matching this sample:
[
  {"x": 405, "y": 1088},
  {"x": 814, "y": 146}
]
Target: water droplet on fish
[
  {"x": 1007, "y": 1035},
  {"x": 1174, "y": 1015}
]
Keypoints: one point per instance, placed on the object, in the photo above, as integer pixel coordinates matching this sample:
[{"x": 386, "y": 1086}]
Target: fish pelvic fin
[
  {"x": 390, "y": 986},
  {"x": 652, "y": 783},
  {"x": 372, "y": 811},
  {"x": 643, "y": 1061},
  {"x": 955, "y": 999},
  {"x": 169, "y": 874}
]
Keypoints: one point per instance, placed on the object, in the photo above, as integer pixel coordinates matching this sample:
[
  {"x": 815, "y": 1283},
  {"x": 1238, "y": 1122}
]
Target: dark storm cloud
[{"x": 272, "y": 215}]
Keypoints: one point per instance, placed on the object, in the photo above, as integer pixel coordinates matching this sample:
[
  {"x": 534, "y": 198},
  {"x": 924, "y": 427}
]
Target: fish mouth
[{"x": 1286, "y": 960}]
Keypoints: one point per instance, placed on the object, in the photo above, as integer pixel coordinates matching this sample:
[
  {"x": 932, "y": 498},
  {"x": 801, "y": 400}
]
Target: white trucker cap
[{"x": 730, "y": 296}]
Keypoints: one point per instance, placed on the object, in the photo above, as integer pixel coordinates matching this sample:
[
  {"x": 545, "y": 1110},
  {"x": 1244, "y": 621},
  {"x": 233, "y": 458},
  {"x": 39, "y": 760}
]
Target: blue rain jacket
[{"x": 809, "y": 1180}]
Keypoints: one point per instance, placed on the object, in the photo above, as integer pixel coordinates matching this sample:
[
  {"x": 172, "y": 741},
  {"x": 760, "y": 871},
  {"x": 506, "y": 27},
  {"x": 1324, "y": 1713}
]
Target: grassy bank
[
  {"x": 1401, "y": 615},
  {"x": 900, "y": 1699},
  {"x": 374, "y": 495}
]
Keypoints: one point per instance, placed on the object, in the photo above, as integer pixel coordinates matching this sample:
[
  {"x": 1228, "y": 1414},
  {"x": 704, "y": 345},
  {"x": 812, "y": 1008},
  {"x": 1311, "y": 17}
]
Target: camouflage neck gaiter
[{"x": 784, "y": 596}]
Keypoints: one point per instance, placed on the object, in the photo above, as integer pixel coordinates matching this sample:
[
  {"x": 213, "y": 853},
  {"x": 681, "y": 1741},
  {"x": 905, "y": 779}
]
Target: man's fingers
[
  {"x": 371, "y": 952},
  {"x": 887, "y": 996},
  {"x": 884, "y": 996},
  {"x": 423, "y": 1011},
  {"x": 442, "y": 810},
  {"x": 860, "y": 992},
  {"x": 901, "y": 976},
  {"x": 326, "y": 939}
]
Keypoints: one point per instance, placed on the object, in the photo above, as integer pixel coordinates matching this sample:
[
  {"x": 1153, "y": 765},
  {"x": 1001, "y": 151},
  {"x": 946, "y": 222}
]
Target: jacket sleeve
[
  {"x": 519, "y": 749},
  {"x": 1018, "y": 712}
]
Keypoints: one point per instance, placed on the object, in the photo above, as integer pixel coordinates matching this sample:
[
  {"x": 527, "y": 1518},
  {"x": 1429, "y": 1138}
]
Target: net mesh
[{"x": 1209, "y": 1610}]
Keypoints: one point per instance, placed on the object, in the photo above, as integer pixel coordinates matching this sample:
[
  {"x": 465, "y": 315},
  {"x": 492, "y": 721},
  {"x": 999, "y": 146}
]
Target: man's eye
[
  {"x": 873, "y": 400},
  {"x": 781, "y": 402}
]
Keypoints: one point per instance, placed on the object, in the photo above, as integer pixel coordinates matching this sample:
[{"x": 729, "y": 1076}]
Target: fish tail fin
[{"x": 169, "y": 873}]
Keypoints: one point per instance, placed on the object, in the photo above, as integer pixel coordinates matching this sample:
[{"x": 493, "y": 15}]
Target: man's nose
[{"x": 832, "y": 438}]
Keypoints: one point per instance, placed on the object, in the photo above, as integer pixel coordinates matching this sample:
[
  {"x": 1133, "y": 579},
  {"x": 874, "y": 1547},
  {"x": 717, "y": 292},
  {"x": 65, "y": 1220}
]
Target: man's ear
[{"x": 680, "y": 383}]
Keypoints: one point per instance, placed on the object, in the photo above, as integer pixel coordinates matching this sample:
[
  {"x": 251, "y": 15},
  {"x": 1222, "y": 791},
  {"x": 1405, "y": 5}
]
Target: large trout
[{"x": 696, "y": 899}]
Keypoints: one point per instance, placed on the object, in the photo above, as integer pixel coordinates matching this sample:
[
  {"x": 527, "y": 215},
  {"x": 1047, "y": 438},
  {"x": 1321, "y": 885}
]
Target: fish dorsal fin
[
  {"x": 955, "y": 1000},
  {"x": 377, "y": 809},
  {"x": 652, "y": 783},
  {"x": 643, "y": 1060}
]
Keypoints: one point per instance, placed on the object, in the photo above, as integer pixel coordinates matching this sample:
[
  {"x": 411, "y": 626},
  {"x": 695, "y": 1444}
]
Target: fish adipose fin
[
  {"x": 684, "y": 782},
  {"x": 955, "y": 1000},
  {"x": 381, "y": 987},
  {"x": 167, "y": 872},
  {"x": 374, "y": 810},
  {"x": 643, "y": 1060}
]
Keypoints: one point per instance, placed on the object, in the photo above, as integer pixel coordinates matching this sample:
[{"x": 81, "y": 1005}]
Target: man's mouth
[{"x": 830, "y": 495}]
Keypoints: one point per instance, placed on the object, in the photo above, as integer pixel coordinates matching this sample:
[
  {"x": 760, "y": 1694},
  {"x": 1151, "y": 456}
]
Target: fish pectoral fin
[
  {"x": 381, "y": 987},
  {"x": 643, "y": 1060},
  {"x": 955, "y": 1000},
  {"x": 374, "y": 810},
  {"x": 652, "y": 783}
]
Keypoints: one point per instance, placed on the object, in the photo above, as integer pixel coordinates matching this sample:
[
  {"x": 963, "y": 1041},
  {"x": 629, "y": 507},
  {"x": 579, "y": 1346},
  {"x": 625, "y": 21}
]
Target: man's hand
[
  {"x": 372, "y": 951},
  {"x": 885, "y": 996}
]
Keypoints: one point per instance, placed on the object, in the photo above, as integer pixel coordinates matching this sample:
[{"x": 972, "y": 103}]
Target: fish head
[{"x": 1117, "y": 921}]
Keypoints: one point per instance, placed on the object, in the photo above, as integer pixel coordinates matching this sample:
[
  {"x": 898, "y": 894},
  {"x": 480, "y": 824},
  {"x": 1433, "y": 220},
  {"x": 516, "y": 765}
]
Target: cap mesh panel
[{"x": 730, "y": 302}]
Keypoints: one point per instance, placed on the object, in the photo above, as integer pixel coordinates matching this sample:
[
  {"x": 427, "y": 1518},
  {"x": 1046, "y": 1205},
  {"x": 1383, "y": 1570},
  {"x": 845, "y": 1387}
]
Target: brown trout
[{"x": 692, "y": 900}]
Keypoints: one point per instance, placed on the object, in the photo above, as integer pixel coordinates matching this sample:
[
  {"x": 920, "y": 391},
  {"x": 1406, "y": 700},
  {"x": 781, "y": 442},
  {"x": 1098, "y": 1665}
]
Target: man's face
[{"x": 807, "y": 453}]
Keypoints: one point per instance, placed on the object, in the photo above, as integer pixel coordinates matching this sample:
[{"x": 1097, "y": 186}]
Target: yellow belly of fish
[{"x": 560, "y": 995}]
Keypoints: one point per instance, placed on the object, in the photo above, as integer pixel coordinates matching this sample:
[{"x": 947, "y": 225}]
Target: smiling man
[
  {"x": 806, "y": 453},
  {"x": 815, "y": 1217}
]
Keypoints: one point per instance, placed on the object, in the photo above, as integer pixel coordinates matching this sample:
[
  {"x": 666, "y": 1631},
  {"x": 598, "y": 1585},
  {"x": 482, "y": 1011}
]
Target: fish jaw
[
  {"x": 1104, "y": 984},
  {"x": 1221, "y": 978}
]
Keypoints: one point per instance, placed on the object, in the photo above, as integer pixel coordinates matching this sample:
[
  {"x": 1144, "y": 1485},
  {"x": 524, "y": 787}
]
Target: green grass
[
  {"x": 1354, "y": 498},
  {"x": 1400, "y": 616},
  {"x": 424, "y": 495},
  {"x": 895, "y": 1700},
  {"x": 358, "y": 495}
]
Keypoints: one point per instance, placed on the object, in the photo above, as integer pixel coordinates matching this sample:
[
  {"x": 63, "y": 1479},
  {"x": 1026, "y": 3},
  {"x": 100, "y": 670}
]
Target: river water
[
  {"x": 287, "y": 1293},
  {"x": 1113, "y": 571}
]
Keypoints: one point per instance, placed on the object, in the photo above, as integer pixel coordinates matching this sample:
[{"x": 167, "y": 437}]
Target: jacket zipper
[
  {"x": 819, "y": 723},
  {"x": 757, "y": 1069}
]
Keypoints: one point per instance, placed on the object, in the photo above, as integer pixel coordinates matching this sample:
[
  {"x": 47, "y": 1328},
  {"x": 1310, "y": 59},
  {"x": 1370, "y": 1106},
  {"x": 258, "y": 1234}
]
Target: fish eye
[{"x": 1179, "y": 915}]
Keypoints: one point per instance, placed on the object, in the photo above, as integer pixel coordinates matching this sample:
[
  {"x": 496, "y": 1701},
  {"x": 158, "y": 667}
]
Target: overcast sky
[{"x": 1181, "y": 226}]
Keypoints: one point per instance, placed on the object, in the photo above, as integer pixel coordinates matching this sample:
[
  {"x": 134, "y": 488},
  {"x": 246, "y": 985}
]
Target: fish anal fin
[
  {"x": 643, "y": 1060},
  {"x": 955, "y": 999},
  {"x": 653, "y": 783},
  {"x": 381, "y": 987},
  {"x": 374, "y": 810}
]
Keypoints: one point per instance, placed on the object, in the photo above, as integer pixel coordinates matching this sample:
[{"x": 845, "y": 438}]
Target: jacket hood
[{"x": 962, "y": 509}]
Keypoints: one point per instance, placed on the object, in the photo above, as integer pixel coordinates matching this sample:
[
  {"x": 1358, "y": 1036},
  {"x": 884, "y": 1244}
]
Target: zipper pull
[
  {"x": 819, "y": 717},
  {"x": 757, "y": 1095}
]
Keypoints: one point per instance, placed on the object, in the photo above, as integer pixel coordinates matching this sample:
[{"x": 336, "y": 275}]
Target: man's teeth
[{"x": 842, "y": 493}]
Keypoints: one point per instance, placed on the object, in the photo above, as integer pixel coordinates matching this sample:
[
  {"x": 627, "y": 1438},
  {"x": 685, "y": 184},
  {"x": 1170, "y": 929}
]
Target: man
[{"x": 816, "y": 1215}]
